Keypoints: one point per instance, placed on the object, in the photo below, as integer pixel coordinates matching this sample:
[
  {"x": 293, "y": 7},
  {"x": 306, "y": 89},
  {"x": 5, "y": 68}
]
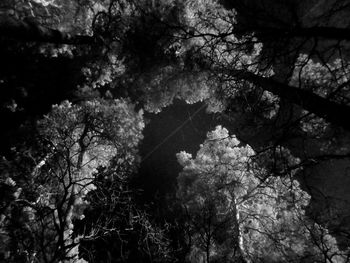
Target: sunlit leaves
[
  {"x": 211, "y": 31},
  {"x": 210, "y": 186},
  {"x": 266, "y": 214},
  {"x": 89, "y": 135},
  {"x": 76, "y": 140},
  {"x": 327, "y": 79},
  {"x": 113, "y": 123},
  {"x": 169, "y": 83}
]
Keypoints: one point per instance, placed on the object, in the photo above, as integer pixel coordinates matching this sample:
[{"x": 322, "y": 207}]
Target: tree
[
  {"x": 206, "y": 27},
  {"x": 276, "y": 70},
  {"x": 271, "y": 85},
  {"x": 122, "y": 229},
  {"x": 75, "y": 140},
  {"x": 240, "y": 57},
  {"x": 69, "y": 142},
  {"x": 238, "y": 211}
]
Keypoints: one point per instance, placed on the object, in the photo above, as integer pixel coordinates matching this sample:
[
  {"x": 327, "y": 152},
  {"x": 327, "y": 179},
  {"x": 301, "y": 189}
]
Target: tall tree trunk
[
  {"x": 70, "y": 241},
  {"x": 30, "y": 31},
  {"x": 240, "y": 255}
]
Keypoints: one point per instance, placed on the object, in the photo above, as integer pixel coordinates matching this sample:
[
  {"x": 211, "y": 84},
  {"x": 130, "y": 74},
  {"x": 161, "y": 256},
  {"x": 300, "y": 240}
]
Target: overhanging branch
[{"x": 332, "y": 112}]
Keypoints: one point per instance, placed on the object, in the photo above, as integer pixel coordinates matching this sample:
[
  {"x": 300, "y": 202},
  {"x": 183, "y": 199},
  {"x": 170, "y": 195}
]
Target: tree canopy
[
  {"x": 77, "y": 78},
  {"x": 238, "y": 212}
]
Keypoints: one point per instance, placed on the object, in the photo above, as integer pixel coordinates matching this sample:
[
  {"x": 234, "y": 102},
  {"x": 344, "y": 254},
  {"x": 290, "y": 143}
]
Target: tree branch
[{"x": 332, "y": 112}]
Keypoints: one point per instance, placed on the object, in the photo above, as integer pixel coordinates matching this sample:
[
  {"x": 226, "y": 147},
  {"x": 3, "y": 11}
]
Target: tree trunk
[
  {"x": 332, "y": 112},
  {"x": 240, "y": 253},
  {"x": 30, "y": 31},
  {"x": 70, "y": 241}
]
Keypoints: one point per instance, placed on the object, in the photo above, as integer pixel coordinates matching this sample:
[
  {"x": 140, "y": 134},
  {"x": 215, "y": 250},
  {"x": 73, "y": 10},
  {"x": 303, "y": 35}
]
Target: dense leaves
[
  {"x": 238, "y": 212},
  {"x": 75, "y": 141},
  {"x": 277, "y": 72}
]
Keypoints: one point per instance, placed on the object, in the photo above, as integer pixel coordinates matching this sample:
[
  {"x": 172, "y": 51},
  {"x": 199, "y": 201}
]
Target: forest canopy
[{"x": 84, "y": 179}]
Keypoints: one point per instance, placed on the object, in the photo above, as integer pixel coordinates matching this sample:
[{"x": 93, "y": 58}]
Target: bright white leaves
[
  {"x": 219, "y": 155},
  {"x": 72, "y": 142},
  {"x": 268, "y": 212},
  {"x": 208, "y": 17},
  {"x": 89, "y": 135},
  {"x": 209, "y": 187},
  {"x": 170, "y": 82},
  {"x": 82, "y": 138},
  {"x": 208, "y": 35},
  {"x": 99, "y": 126},
  {"x": 45, "y": 2},
  {"x": 212, "y": 28},
  {"x": 272, "y": 221},
  {"x": 184, "y": 158},
  {"x": 220, "y": 133}
]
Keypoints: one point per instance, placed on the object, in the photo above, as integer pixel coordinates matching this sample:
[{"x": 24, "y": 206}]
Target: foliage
[
  {"x": 238, "y": 211},
  {"x": 277, "y": 71},
  {"x": 121, "y": 230},
  {"x": 75, "y": 141}
]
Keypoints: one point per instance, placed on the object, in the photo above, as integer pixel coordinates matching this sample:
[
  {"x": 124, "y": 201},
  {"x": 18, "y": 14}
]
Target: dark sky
[{"x": 159, "y": 167}]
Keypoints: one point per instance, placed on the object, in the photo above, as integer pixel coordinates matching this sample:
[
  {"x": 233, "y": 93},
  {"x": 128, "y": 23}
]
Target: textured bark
[{"x": 30, "y": 31}]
